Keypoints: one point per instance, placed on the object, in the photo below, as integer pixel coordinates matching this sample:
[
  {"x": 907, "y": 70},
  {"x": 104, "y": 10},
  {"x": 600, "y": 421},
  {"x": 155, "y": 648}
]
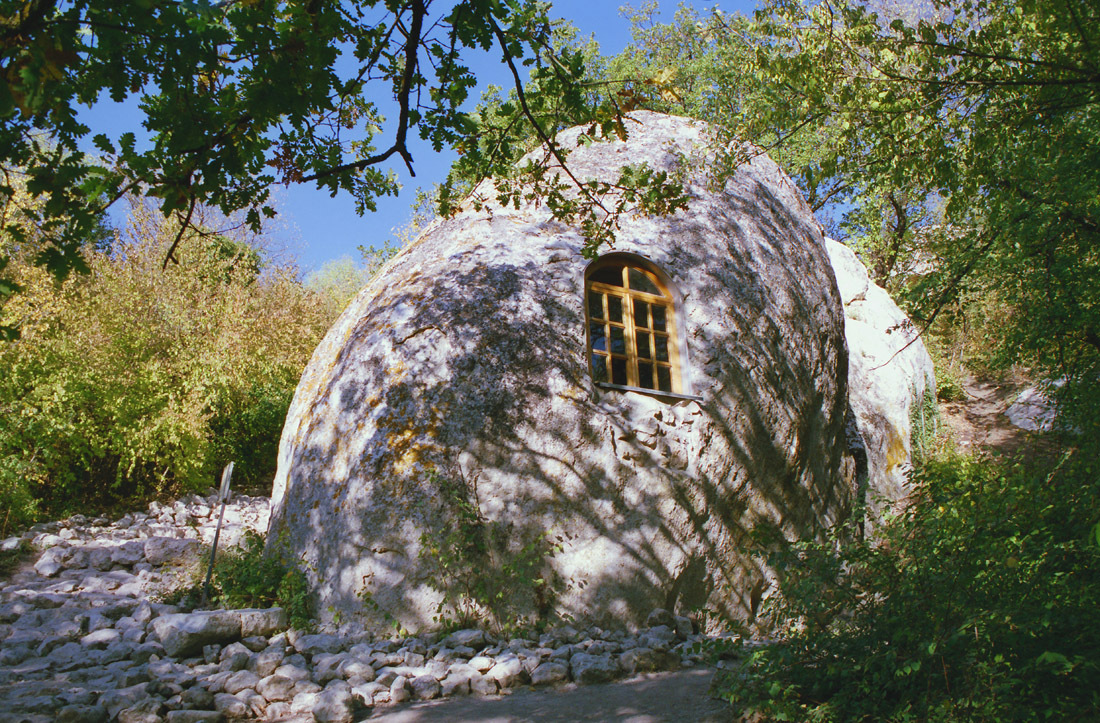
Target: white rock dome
[{"x": 448, "y": 442}]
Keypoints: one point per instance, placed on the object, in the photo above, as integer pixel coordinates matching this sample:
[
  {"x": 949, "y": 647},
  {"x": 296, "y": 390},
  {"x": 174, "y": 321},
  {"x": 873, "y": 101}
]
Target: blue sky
[{"x": 316, "y": 228}]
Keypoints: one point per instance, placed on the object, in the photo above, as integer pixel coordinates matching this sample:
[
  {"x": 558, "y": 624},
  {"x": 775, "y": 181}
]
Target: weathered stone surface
[
  {"x": 185, "y": 634},
  {"x": 276, "y": 687},
  {"x": 1033, "y": 410},
  {"x": 644, "y": 660},
  {"x": 161, "y": 550},
  {"x": 115, "y": 701},
  {"x": 456, "y": 684},
  {"x": 101, "y": 638},
  {"x": 194, "y": 716},
  {"x": 230, "y": 706},
  {"x": 425, "y": 687},
  {"x": 78, "y": 713},
  {"x": 473, "y": 638},
  {"x": 480, "y": 685},
  {"x": 263, "y": 622},
  {"x": 145, "y": 711},
  {"x": 593, "y": 668},
  {"x": 508, "y": 671},
  {"x": 334, "y": 705},
  {"x": 241, "y": 680},
  {"x": 462, "y": 369},
  {"x": 51, "y": 562},
  {"x": 319, "y": 643},
  {"x": 890, "y": 374},
  {"x": 549, "y": 673},
  {"x": 198, "y": 698}
]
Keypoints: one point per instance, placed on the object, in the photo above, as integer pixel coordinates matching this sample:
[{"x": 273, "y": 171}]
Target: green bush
[
  {"x": 246, "y": 577},
  {"x": 134, "y": 380},
  {"x": 978, "y": 604}
]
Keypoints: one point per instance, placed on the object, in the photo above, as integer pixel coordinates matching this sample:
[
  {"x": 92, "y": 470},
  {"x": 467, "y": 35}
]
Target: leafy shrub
[
  {"x": 246, "y": 577},
  {"x": 135, "y": 380},
  {"x": 977, "y": 604}
]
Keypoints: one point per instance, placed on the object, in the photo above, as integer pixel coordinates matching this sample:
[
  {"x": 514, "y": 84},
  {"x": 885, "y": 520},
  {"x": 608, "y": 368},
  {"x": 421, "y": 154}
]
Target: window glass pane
[
  {"x": 645, "y": 375},
  {"x": 595, "y": 305},
  {"x": 618, "y": 340},
  {"x": 664, "y": 379},
  {"x": 615, "y": 309},
  {"x": 659, "y": 318},
  {"x": 661, "y": 343},
  {"x": 618, "y": 370},
  {"x": 641, "y": 313},
  {"x": 612, "y": 275},
  {"x": 597, "y": 338},
  {"x": 643, "y": 345},
  {"x": 640, "y": 281},
  {"x": 599, "y": 368}
]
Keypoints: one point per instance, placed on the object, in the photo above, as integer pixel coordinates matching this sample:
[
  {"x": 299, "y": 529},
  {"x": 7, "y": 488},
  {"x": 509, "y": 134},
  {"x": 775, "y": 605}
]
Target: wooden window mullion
[{"x": 631, "y": 342}]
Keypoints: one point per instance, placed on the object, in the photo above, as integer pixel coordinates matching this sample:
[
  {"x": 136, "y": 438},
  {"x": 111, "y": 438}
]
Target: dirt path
[
  {"x": 650, "y": 698},
  {"x": 978, "y": 422}
]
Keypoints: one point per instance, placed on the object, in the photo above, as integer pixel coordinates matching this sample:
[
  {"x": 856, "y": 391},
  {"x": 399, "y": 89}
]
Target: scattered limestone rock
[
  {"x": 194, "y": 716},
  {"x": 425, "y": 687},
  {"x": 593, "y": 668},
  {"x": 1033, "y": 410},
  {"x": 161, "y": 550},
  {"x": 334, "y": 705},
  {"x": 52, "y": 561},
  {"x": 262, "y": 623},
  {"x": 72, "y": 651},
  {"x": 549, "y": 673},
  {"x": 185, "y": 634}
]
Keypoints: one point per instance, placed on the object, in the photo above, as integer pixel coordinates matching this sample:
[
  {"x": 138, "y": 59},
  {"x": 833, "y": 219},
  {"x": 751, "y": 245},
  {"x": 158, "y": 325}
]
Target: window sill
[{"x": 650, "y": 392}]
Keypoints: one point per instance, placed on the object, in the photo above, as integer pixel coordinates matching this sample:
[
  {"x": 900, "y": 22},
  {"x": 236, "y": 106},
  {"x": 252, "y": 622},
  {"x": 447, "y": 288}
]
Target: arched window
[{"x": 632, "y": 336}]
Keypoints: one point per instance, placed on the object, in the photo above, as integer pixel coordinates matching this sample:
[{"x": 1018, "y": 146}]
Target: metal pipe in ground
[{"x": 223, "y": 497}]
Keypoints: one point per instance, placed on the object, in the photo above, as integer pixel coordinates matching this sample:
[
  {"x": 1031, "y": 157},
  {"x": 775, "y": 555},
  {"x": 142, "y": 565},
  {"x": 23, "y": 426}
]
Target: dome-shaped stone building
[{"x": 498, "y": 424}]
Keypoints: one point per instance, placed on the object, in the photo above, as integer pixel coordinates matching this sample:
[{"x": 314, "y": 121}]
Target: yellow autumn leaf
[
  {"x": 663, "y": 77},
  {"x": 670, "y": 95}
]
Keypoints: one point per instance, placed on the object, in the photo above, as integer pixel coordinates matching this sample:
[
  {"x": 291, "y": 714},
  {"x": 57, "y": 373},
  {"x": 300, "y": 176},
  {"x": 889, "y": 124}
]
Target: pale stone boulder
[
  {"x": 891, "y": 381},
  {"x": 458, "y": 380},
  {"x": 1033, "y": 410},
  {"x": 185, "y": 634}
]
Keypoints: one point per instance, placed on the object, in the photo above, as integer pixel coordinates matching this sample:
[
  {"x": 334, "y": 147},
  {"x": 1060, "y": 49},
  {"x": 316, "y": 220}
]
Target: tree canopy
[
  {"x": 954, "y": 144},
  {"x": 237, "y": 95}
]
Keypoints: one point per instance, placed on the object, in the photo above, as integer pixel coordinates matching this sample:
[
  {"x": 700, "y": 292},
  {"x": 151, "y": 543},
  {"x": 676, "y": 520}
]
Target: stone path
[
  {"x": 83, "y": 638},
  {"x": 649, "y": 698}
]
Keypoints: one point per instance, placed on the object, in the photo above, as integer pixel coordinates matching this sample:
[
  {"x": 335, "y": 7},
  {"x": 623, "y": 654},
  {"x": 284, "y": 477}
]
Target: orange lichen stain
[
  {"x": 411, "y": 440},
  {"x": 896, "y": 453},
  {"x": 408, "y": 449}
]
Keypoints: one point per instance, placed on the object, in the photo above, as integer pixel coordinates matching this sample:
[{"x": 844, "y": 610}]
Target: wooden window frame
[{"x": 634, "y": 332}]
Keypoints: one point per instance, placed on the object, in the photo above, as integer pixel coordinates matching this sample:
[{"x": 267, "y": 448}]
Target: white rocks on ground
[
  {"x": 84, "y": 643},
  {"x": 1033, "y": 410}
]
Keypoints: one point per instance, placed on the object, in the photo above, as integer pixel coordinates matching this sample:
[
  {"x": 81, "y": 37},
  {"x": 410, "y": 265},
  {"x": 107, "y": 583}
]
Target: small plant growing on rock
[
  {"x": 481, "y": 575},
  {"x": 244, "y": 577}
]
